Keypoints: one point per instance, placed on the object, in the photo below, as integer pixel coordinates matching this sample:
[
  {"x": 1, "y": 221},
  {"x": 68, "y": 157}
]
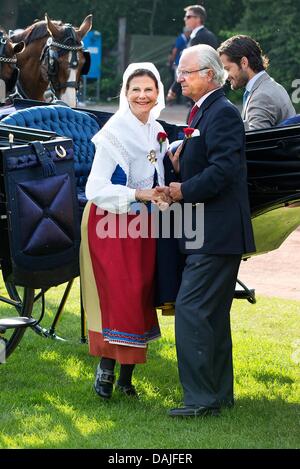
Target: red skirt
[{"x": 122, "y": 319}]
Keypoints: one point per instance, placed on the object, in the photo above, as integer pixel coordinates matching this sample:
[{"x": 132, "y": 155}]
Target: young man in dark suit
[{"x": 212, "y": 172}]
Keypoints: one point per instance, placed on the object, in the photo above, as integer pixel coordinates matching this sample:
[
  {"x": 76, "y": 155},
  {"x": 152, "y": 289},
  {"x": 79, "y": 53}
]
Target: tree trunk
[{"x": 151, "y": 23}]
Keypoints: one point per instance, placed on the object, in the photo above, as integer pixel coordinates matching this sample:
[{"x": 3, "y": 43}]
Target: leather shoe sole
[{"x": 190, "y": 411}]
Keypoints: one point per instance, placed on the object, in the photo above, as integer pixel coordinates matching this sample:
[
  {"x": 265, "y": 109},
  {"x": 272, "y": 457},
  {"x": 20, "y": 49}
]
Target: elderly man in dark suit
[{"x": 212, "y": 172}]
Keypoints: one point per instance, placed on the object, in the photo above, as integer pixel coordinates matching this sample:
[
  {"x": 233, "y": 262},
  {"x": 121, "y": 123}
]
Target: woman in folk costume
[{"x": 118, "y": 270}]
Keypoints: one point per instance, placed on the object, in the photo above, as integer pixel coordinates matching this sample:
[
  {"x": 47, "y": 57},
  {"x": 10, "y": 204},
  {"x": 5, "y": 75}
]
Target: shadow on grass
[{"x": 272, "y": 378}]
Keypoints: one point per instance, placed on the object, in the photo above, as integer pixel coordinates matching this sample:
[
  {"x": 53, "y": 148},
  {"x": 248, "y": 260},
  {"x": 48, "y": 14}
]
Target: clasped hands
[
  {"x": 168, "y": 194},
  {"x": 162, "y": 196}
]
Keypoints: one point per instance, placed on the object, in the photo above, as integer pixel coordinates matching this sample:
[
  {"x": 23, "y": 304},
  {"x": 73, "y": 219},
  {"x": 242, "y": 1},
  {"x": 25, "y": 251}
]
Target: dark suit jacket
[
  {"x": 204, "y": 36},
  {"x": 213, "y": 171}
]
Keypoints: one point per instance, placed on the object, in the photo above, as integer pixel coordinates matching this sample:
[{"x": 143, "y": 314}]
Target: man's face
[
  {"x": 191, "y": 20},
  {"x": 237, "y": 75},
  {"x": 193, "y": 85}
]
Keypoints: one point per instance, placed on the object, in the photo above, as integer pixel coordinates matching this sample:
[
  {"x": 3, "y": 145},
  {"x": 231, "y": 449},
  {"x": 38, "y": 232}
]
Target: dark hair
[
  {"x": 240, "y": 46},
  {"x": 141, "y": 72},
  {"x": 198, "y": 10}
]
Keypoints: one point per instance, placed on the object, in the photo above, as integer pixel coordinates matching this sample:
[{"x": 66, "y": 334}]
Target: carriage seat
[
  {"x": 290, "y": 121},
  {"x": 65, "y": 122}
]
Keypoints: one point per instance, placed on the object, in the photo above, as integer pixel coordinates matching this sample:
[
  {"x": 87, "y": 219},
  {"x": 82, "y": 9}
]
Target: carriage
[{"x": 45, "y": 157}]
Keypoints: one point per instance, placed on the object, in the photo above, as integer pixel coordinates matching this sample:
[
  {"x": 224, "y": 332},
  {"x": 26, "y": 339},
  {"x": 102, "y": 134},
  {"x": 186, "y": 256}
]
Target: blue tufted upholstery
[
  {"x": 291, "y": 121},
  {"x": 67, "y": 122}
]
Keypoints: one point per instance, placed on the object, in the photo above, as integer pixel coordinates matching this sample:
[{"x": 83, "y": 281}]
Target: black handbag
[{"x": 43, "y": 230}]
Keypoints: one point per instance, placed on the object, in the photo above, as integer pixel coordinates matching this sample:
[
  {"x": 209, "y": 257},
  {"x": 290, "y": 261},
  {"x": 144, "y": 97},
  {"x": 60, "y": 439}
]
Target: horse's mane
[{"x": 34, "y": 32}]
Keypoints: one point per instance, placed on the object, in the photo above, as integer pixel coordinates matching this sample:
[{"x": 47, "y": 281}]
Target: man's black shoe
[
  {"x": 192, "y": 411},
  {"x": 104, "y": 382}
]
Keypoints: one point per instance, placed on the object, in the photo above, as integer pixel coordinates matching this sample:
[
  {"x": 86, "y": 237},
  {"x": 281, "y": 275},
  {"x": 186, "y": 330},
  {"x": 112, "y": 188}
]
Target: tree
[{"x": 275, "y": 25}]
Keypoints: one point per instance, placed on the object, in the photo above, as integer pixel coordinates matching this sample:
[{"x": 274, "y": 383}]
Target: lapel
[
  {"x": 204, "y": 106},
  {"x": 262, "y": 78}
]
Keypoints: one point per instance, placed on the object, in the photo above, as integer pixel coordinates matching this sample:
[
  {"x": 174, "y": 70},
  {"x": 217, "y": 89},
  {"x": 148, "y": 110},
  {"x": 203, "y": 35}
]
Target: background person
[
  {"x": 180, "y": 44},
  {"x": 118, "y": 272},
  {"x": 195, "y": 17},
  {"x": 265, "y": 102}
]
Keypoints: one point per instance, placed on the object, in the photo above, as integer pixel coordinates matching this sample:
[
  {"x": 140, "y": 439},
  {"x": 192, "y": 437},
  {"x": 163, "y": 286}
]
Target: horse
[
  {"x": 54, "y": 57},
  {"x": 8, "y": 65}
]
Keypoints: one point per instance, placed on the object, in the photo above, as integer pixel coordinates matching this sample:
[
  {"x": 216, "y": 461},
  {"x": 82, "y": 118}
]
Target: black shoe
[
  {"x": 127, "y": 389},
  {"x": 104, "y": 382},
  {"x": 193, "y": 411}
]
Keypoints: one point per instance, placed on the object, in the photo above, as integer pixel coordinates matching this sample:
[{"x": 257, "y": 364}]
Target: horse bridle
[
  {"x": 53, "y": 50},
  {"x": 11, "y": 83}
]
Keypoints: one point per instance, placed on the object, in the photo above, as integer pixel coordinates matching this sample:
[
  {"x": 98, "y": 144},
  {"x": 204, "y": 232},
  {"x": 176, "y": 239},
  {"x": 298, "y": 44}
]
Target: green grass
[{"x": 47, "y": 398}]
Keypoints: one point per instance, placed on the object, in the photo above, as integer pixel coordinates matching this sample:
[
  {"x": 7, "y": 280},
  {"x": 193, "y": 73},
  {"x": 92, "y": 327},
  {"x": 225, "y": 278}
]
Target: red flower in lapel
[
  {"x": 161, "y": 137},
  {"x": 188, "y": 131}
]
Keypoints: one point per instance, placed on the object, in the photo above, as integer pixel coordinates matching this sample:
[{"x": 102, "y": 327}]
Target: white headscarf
[
  {"x": 156, "y": 110},
  {"x": 125, "y": 140}
]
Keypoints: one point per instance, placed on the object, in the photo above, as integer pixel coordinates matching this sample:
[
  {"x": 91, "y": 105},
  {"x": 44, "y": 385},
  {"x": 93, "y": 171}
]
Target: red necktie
[{"x": 194, "y": 110}]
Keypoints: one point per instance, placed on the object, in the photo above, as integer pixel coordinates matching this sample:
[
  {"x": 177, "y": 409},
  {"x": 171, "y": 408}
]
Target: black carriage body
[
  {"x": 40, "y": 232},
  {"x": 273, "y": 162}
]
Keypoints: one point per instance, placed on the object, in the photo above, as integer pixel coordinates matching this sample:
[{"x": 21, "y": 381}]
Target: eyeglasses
[
  {"x": 187, "y": 17},
  {"x": 187, "y": 73}
]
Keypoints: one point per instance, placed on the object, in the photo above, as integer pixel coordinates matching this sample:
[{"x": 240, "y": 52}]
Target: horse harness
[
  {"x": 53, "y": 50},
  {"x": 11, "y": 82}
]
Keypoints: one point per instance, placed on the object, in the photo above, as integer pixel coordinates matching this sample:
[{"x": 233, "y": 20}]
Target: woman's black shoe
[
  {"x": 104, "y": 382},
  {"x": 127, "y": 389}
]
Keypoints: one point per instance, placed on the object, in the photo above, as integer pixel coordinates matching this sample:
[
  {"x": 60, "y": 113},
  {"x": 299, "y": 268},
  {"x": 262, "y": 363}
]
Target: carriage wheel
[{"x": 19, "y": 303}]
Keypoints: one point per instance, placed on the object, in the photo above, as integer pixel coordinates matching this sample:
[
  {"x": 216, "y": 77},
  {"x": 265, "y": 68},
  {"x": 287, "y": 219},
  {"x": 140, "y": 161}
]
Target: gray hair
[{"x": 208, "y": 57}]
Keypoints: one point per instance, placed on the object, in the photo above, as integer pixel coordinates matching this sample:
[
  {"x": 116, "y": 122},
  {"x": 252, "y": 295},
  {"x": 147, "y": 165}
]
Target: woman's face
[{"x": 142, "y": 96}]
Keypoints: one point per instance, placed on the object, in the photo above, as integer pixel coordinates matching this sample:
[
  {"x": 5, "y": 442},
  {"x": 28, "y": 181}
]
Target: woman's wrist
[{"x": 138, "y": 195}]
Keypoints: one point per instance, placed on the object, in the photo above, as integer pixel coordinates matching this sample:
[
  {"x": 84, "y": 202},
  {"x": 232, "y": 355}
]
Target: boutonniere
[
  {"x": 189, "y": 132},
  {"x": 161, "y": 138}
]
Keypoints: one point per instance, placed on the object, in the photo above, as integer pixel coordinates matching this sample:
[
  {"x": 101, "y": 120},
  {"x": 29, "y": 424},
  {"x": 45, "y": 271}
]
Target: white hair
[{"x": 208, "y": 57}]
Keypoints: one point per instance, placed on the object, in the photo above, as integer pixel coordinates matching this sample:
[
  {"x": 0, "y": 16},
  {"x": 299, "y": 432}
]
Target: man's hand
[
  {"x": 175, "y": 158},
  {"x": 175, "y": 191}
]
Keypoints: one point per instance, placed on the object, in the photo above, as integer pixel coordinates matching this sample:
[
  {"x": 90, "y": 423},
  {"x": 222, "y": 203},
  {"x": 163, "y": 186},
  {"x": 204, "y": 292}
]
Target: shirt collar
[
  {"x": 251, "y": 82},
  {"x": 194, "y": 32},
  {"x": 203, "y": 98}
]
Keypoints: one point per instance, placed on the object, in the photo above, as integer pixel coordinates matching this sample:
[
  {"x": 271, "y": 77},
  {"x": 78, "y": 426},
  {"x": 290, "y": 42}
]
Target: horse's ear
[
  {"x": 19, "y": 47},
  {"x": 85, "y": 26},
  {"x": 51, "y": 26}
]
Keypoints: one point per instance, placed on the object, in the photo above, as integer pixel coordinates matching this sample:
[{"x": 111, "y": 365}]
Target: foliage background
[{"x": 274, "y": 23}]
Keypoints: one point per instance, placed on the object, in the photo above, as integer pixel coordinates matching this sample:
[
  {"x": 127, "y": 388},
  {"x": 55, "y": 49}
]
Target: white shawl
[{"x": 127, "y": 142}]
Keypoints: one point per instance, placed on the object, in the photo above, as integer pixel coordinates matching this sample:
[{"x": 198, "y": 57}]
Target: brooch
[{"x": 152, "y": 157}]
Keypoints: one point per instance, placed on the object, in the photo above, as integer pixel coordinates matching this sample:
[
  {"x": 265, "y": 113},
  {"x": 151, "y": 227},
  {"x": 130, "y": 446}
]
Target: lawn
[{"x": 47, "y": 397}]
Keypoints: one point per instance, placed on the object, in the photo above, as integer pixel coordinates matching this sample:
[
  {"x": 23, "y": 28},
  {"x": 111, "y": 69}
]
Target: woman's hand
[
  {"x": 175, "y": 158},
  {"x": 159, "y": 196},
  {"x": 146, "y": 195},
  {"x": 163, "y": 199}
]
